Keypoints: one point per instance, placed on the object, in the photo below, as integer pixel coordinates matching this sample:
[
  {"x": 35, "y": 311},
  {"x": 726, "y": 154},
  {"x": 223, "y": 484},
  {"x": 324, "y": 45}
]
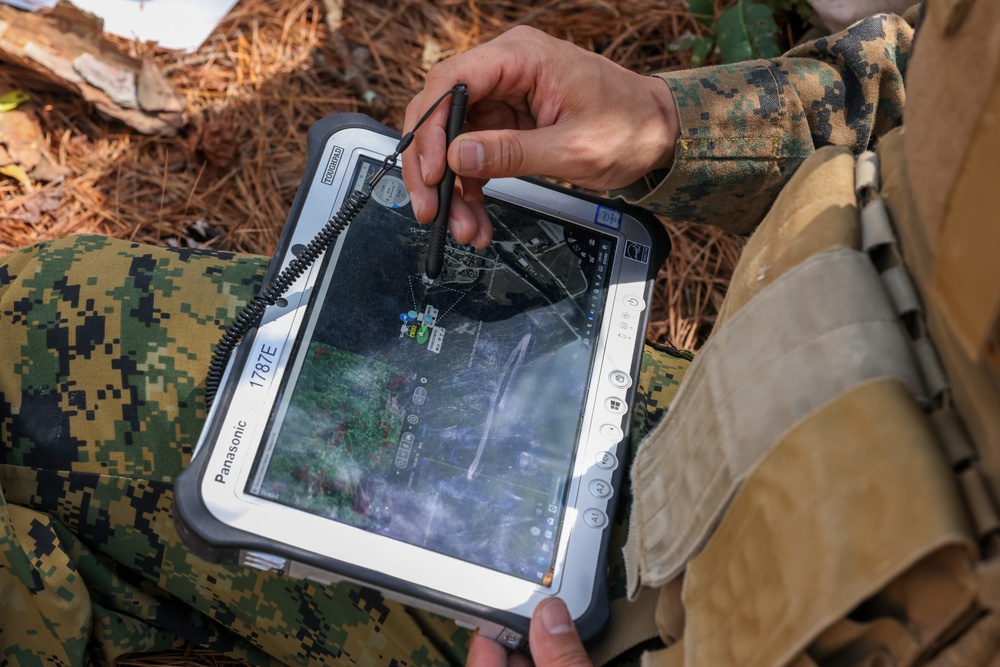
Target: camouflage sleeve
[{"x": 745, "y": 128}]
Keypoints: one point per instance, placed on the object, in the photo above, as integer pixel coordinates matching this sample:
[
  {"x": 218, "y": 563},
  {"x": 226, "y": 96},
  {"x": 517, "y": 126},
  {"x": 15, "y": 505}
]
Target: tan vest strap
[
  {"x": 815, "y": 530},
  {"x": 754, "y": 379},
  {"x": 816, "y": 212}
]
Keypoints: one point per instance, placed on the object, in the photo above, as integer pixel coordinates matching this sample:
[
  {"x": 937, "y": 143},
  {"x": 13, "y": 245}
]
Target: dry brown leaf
[
  {"x": 21, "y": 136},
  {"x": 214, "y": 142},
  {"x": 432, "y": 52},
  {"x": 274, "y": 68},
  {"x": 42, "y": 201},
  {"x": 47, "y": 171}
]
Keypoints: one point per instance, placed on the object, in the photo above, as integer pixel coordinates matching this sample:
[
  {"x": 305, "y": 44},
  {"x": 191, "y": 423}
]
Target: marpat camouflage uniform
[
  {"x": 102, "y": 396},
  {"x": 101, "y": 407},
  {"x": 746, "y": 128}
]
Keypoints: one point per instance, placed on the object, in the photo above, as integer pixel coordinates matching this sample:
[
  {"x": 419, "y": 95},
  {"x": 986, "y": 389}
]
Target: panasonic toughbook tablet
[{"x": 457, "y": 445}]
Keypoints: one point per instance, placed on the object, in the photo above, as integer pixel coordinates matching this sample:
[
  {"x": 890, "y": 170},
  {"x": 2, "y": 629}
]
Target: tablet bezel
[{"x": 428, "y": 578}]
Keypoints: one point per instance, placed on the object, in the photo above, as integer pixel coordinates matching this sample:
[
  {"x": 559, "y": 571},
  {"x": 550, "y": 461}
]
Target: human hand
[
  {"x": 553, "y": 640},
  {"x": 537, "y": 106}
]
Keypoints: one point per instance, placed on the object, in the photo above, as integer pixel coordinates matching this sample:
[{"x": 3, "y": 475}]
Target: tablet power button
[{"x": 633, "y": 301}]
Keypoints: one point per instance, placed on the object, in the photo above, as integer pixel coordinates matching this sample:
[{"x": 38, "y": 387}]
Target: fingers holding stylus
[{"x": 469, "y": 223}]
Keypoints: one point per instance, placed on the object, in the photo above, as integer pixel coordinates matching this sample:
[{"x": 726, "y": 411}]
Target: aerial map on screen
[{"x": 445, "y": 415}]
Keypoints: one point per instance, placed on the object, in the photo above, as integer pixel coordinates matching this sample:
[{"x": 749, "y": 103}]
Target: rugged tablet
[{"x": 458, "y": 444}]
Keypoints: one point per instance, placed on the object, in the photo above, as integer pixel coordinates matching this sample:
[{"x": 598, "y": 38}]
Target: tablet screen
[{"x": 444, "y": 415}]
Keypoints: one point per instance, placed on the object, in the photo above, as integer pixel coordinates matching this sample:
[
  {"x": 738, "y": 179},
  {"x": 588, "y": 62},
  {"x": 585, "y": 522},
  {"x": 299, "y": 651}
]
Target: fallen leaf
[
  {"x": 15, "y": 171},
  {"x": 47, "y": 200},
  {"x": 432, "y": 52},
  {"x": 214, "y": 142},
  {"x": 21, "y": 136},
  {"x": 13, "y": 99},
  {"x": 47, "y": 171}
]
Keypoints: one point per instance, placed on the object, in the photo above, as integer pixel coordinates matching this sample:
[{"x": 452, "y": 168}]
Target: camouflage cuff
[
  {"x": 739, "y": 141},
  {"x": 746, "y": 127}
]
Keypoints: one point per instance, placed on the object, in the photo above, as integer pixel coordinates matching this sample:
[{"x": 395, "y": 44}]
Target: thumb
[
  {"x": 506, "y": 153},
  {"x": 553, "y": 638}
]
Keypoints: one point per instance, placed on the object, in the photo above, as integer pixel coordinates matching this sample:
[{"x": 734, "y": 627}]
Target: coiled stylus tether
[{"x": 252, "y": 313}]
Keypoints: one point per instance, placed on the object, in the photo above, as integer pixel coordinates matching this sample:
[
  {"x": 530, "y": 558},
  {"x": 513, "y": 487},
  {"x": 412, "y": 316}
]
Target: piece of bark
[
  {"x": 67, "y": 47},
  {"x": 118, "y": 83},
  {"x": 155, "y": 92}
]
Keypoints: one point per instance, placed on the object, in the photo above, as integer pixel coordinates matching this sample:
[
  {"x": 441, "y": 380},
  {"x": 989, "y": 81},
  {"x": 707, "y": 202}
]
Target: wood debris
[
  {"x": 68, "y": 47},
  {"x": 271, "y": 70}
]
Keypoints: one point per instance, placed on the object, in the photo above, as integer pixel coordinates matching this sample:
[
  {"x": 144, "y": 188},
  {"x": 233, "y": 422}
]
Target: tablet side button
[
  {"x": 633, "y": 301},
  {"x": 616, "y": 406},
  {"x": 607, "y": 461},
  {"x": 620, "y": 379},
  {"x": 612, "y": 432},
  {"x": 600, "y": 488},
  {"x": 595, "y": 518}
]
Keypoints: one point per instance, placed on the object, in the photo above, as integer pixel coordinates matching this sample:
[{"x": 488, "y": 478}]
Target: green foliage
[
  {"x": 744, "y": 31},
  {"x": 703, "y": 11},
  {"x": 747, "y": 31},
  {"x": 700, "y": 48},
  {"x": 13, "y": 99}
]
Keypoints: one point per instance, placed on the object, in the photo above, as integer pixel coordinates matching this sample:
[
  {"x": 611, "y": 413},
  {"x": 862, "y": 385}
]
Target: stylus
[{"x": 446, "y": 188}]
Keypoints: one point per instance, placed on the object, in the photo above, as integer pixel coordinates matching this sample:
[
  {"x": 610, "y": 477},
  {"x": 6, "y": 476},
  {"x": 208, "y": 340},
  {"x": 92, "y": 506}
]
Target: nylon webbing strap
[
  {"x": 817, "y": 529},
  {"x": 823, "y": 327}
]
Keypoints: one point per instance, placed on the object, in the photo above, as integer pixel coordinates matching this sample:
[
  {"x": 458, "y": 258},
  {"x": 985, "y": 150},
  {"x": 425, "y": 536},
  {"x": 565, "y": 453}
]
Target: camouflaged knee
[{"x": 101, "y": 404}]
